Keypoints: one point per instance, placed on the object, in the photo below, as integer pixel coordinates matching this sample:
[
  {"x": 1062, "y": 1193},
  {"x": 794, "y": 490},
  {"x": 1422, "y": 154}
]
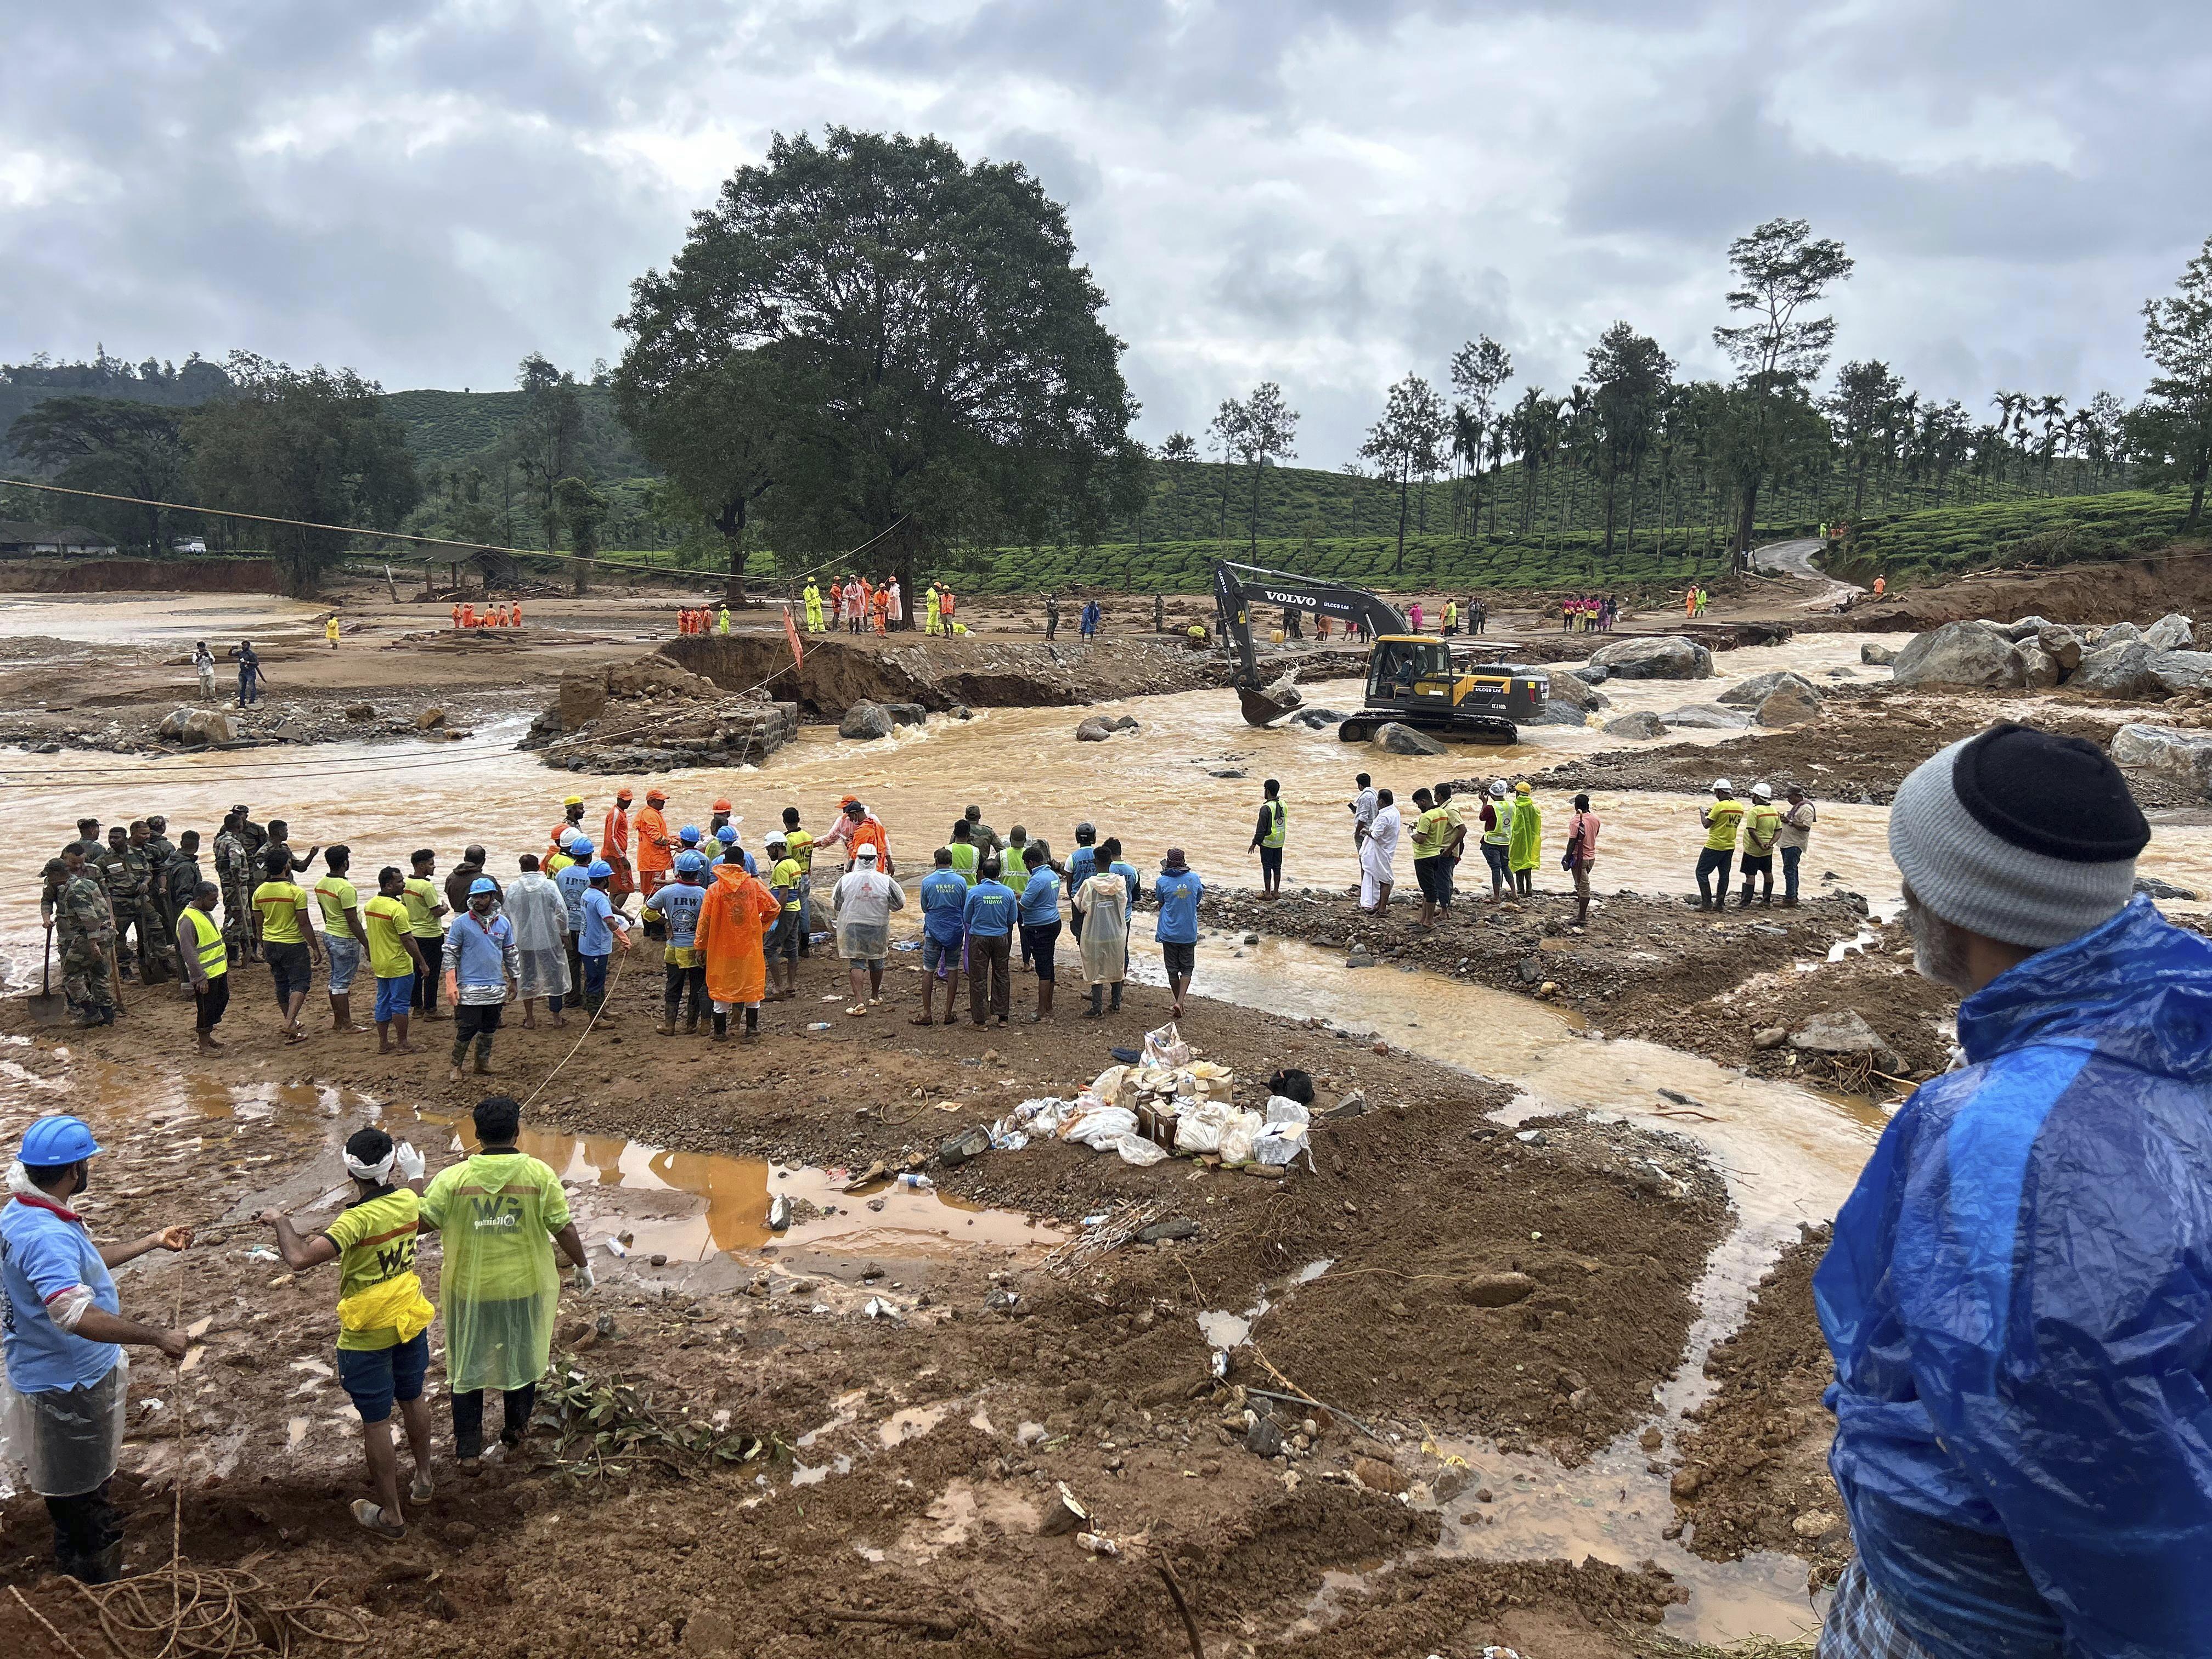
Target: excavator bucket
[{"x": 1265, "y": 706}]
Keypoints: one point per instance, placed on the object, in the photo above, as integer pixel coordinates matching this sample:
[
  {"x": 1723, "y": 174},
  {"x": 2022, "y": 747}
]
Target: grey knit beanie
[{"x": 2019, "y": 835}]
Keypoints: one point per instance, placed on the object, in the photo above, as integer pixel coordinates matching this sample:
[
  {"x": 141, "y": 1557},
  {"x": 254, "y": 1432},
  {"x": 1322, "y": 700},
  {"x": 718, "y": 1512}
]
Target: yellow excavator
[{"x": 1413, "y": 679}]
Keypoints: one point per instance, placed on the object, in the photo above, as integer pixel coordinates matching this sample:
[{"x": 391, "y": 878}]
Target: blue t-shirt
[
  {"x": 1128, "y": 874},
  {"x": 744, "y": 856},
  {"x": 1178, "y": 895},
  {"x": 943, "y": 903},
  {"x": 678, "y": 903},
  {"x": 992, "y": 906},
  {"x": 597, "y": 936},
  {"x": 1040, "y": 899},
  {"x": 574, "y": 880},
  {"x": 1082, "y": 864},
  {"x": 41, "y": 1255}
]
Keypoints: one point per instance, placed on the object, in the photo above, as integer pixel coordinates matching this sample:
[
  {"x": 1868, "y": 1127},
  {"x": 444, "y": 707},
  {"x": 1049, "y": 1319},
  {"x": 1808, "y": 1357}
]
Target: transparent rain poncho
[
  {"x": 1104, "y": 902},
  {"x": 498, "y": 1290},
  {"x": 534, "y": 909}
]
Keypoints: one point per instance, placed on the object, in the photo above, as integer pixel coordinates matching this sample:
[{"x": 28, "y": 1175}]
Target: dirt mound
[
  {"x": 2130, "y": 590},
  {"x": 986, "y": 669},
  {"x": 1760, "y": 1446},
  {"x": 1549, "y": 1608},
  {"x": 652, "y": 715}
]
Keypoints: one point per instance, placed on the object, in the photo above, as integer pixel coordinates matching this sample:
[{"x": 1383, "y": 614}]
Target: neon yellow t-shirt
[
  {"x": 386, "y": 921},
  {"x": 376, "y": 1243},
  {"x": 1724, "y": 815},
  {"x": 422, "y": 898},
  {"x": 787, "y": 873},
  {"x": 280, "y": 903},
  {"x": 336, "y": 896},
  {"x": 1432, "y": 831}
]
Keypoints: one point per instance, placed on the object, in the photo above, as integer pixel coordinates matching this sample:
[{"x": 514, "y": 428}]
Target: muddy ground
[
  {"x": 2139, "y": 590},
  {"x": 1753, "y": 1469},
  {"x": 1413, "y": 1201}
]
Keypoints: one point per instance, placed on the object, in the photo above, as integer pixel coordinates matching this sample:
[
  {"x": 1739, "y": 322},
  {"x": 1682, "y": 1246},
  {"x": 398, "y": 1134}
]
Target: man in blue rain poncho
[{"x": 2018, "y": 1296}]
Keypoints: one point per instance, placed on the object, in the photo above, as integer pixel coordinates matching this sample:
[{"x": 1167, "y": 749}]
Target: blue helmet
[
  {"x": 727, "y": 834},
  {"x": 689, "y": 834},
  {"x": 580, "y": 849},
  {"x": 483, "y": 884},
  {"x": 599, "y": 867},
  {"x": 52, "y": 1141},
  {"x": 690, "y": 863}
]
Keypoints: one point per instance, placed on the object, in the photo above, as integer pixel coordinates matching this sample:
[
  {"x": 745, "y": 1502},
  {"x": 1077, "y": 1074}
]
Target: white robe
[{"x": 1378, "y": 854}]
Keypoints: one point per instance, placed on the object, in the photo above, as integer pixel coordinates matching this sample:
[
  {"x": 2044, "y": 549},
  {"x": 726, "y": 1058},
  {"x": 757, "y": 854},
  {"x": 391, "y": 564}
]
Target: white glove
[
  {"x": 408, "y": 1162},
  {"x": 583, "y": 1280}
]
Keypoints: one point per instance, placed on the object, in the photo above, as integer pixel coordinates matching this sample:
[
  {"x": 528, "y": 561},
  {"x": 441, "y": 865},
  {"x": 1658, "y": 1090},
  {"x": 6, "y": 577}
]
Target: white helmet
[
  {"x": 1722, "y": 787},
  {"x": 1762, "y": 791},
  {"x": 1497, "y": 788}
]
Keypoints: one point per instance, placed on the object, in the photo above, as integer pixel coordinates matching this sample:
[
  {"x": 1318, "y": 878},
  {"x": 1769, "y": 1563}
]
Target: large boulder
[
  {"x": 1879, "y": 655},
  {"x": 1707, "y": 717},
  {"x": 866, "y": 720},
  {"x": 2118, "y": 671},
  {"x": 1641, "y": 724},
  {"x": 1559, "y": 713},
  {"x": 1844, "y": 1031},
  {"x": 2181, "y": 753},
  {"x": 2061, "y": 645},
  {"x": 1400, "y": 739},
  {"x": 2041, "y": 668},
  {"x": 2116, "y": 634},
  {"x": 2026, "y": 628},
  {"x": 1590, "y": 673},
  {"x": 1960, "y": 653},
  {"x": 194, "y": 726},
  {"x": 2181, "y": 670},
  {"x": 1749, "y": 693},
  {"x": 1094, "y": 730},
  {"x": 906, "y": 714},
  {"x": 1316, "y": 720},
  {"x": 1669, "y": 657},
  {"x": 1790, "y": 703},
  {"x": 2170, "y": 633},
  {"x": 1566, "y": 689}
]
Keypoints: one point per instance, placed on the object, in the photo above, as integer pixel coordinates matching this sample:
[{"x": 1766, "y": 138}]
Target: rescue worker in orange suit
[
  {"x": 722, "y": 810},
  {"x": 572, "y": 810},
  {"x": 883, "y": 607},
  {"x": 514, "y": 613},
  {"x": 656, "y": 847},
  {"x": 614, "y": 848},
  {"x": 456, "y": 617},
  {"x": 733, "y": 920},
  {"x": 857, "y": 827}
]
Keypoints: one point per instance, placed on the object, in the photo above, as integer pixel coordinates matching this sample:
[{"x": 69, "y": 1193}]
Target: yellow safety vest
[
  {"x": 1277, "y": 816},
  {"x": 207, "y": 940}
]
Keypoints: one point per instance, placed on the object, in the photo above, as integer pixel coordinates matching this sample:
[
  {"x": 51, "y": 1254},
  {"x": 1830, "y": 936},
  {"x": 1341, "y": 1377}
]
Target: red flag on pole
[{"x": 797, "y": 651}]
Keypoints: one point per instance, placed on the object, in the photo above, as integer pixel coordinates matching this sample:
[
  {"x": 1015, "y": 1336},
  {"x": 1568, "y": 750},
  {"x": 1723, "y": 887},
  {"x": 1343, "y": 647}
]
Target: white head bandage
[
  {"x": 378, "y": 1172},
  {"x": 19, "y": 1181}
]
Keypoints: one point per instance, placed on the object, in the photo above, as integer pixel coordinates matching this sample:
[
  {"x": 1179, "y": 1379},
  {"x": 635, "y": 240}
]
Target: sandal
[
  {"x": 374, "y": 1520},
  {"x": 922, "y": 1019},
  {"x": 421, "y": 1489},
  {"x": 858, "y": 1011}
]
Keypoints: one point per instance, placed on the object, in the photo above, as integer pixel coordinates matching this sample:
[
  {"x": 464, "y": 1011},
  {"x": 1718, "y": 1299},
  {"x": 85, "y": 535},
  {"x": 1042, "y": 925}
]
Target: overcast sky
[{"x": 1324, "y": 193}]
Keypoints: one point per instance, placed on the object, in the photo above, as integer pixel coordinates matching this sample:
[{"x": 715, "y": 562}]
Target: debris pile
[
  {"x": 1166, "y": 1103},
  {"x": 651, "y": 715}
]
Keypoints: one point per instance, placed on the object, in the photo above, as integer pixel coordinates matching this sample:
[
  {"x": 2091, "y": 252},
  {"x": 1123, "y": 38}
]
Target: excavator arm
[{"x": 1238, "y": 587}]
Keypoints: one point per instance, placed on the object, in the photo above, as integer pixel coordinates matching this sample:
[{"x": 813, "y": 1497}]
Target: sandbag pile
[{"x": 1169, "y": 1102}]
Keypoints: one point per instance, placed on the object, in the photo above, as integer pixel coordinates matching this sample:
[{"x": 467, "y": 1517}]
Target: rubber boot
[
  {"x": 1743, "y": 899},
  {"x": 1044, "y": 1001},
  {"x": 752, "y": 1024},
  {"x": 667, "y": 1026},
  {"x": 721, "y": 1028},
  {"x": 1095, "y": 1011},
  {"x": 1115, "y": 1007},
  {"x": 1581, "y": 911},
  {"x": 691, "y": 1025}
]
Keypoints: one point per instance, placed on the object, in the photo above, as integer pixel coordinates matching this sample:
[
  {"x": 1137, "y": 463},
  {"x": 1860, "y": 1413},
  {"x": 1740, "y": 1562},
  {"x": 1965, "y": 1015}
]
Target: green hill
[
  {"x": 1925, "y": 546},
  {"x": 452, "y": 428}
]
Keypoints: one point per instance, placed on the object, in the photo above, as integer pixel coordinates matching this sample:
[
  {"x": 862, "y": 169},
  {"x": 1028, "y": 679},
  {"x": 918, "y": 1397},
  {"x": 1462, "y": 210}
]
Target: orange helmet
[
  {"x": 849, "y": 800},
  {"x": 724, "y": 806}
]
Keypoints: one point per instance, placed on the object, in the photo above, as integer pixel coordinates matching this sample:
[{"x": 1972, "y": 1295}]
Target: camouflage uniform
[
  {"x": 86, "y": 930},
  {"x": 234, "y": 869},
  {"x": 128, "y": 875}
]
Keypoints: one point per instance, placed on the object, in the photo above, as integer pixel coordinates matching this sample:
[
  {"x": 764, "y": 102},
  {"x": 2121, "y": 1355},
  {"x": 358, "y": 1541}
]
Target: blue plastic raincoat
[{"x": 2019, "y": 1299}]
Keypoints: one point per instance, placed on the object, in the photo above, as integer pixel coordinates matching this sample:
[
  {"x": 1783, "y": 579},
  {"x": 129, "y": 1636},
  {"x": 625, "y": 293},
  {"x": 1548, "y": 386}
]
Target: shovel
[{"x": 46, "y": 1007}]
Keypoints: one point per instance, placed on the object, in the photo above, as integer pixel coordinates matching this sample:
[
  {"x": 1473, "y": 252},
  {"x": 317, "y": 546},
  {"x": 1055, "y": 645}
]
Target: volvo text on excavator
[{"x": 1415, "y": 679}]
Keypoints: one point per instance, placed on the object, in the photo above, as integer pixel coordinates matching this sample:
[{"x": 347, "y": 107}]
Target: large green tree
[
  {"x": 1629, "y": 376},
  {"x": 112, "y": 446},
  {"x": 309, "y": 444},
  {"x": 2174, "y": 429},
  {"x": 1781, "y": 270},
  {"x": 934, "y": 355}
]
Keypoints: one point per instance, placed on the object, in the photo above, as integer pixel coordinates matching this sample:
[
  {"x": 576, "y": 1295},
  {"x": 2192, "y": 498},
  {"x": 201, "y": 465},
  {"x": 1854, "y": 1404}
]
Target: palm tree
[{"x": 2051, "y": 410}]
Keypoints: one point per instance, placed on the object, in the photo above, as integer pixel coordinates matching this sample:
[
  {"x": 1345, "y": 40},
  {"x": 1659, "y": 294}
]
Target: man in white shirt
[
  {"x": 1378, "y": 853},
  {"x": 862, "y": 903}
]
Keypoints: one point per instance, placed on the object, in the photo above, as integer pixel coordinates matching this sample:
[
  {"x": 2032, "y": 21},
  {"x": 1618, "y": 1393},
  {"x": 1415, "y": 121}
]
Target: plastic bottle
[{"x": 918, "y": 1183}]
